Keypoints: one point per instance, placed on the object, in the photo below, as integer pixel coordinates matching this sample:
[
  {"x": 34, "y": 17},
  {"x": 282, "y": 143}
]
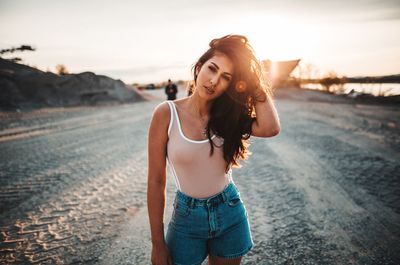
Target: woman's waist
[
  {"x": 202, "y": 186},
  {"x": 224, "y": 194}
]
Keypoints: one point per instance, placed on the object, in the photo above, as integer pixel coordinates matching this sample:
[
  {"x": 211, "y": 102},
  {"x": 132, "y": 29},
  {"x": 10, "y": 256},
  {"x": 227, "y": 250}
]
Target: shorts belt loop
[
  {"x": 191, "y": 203},
  {"x": 223, "y": 197}
]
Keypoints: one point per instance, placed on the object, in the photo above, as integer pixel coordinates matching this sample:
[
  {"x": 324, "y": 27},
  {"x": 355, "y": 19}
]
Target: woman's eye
[
  {"x": 227, "y": 78},
  {"x": 212, "y": 68}
]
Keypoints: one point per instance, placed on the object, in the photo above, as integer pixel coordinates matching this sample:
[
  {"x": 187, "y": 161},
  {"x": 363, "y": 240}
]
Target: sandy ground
[{"x": 326, "y": 190}]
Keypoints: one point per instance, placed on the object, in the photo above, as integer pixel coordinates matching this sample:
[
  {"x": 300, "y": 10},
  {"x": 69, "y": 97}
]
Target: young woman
[{"x": 202, "y": 137}]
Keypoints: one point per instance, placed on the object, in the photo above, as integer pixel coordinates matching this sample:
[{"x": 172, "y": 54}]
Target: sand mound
[{"x": 24, "y": 87}]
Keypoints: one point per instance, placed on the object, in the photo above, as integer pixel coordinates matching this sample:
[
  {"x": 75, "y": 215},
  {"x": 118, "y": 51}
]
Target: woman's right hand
[{"x": 160, "y": 255}]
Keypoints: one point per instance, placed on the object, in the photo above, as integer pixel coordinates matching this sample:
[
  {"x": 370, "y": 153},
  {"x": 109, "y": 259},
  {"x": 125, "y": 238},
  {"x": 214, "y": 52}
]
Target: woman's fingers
[{"x": 170, "y": 260}]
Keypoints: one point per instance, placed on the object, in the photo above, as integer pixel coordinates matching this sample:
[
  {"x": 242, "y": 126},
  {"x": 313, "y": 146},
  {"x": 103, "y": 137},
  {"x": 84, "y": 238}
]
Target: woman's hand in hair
[
  {"x": 266, "y": 123},
  {"x": 259, "y": 95}
]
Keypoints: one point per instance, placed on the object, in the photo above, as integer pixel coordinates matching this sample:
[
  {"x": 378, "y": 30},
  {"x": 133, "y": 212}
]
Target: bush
[{"x": 61, "y": 69}]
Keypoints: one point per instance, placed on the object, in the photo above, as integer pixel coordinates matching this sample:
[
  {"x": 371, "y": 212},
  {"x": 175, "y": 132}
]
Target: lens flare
[{"x": 241, "y": 86}]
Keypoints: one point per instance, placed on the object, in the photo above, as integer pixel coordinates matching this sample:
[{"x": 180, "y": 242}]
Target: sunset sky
[{"x": 150, "y": 41}]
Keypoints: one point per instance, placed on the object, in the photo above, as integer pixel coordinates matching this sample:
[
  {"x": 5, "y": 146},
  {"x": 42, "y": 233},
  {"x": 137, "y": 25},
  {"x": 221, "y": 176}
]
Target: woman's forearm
[
  {"x": 267, "y": 121},
  {"x": 156, "y": 206}
]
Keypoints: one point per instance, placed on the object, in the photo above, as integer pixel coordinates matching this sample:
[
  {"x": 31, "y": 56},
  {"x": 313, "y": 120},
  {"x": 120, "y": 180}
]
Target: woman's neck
[{"x": 200, "y": 106}]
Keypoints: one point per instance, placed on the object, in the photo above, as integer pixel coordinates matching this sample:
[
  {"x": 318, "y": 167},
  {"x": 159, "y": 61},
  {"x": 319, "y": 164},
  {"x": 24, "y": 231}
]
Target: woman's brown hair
[{"x": 232, "y": 113}]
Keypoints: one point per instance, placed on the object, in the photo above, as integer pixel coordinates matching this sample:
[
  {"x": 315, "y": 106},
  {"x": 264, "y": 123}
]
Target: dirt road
[{"x": 325, "y": 191}]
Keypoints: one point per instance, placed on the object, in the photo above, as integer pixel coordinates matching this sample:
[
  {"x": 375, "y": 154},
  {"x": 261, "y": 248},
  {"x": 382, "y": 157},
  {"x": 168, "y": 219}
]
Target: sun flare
[{"x": 278, "y": 37}]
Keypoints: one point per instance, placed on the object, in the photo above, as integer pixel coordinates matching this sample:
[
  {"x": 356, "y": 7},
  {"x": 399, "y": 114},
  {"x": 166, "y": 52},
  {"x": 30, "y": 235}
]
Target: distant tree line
[
  {"x": 375, "y": 79},
  {"x": 60, "y": 68},
  {"x": 16, "y": 49},
  {"x": 310, "y": 74}
]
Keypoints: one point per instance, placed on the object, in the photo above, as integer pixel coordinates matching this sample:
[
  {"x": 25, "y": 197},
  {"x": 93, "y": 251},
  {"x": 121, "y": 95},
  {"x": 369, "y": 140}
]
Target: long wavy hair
[{"x": 233, "y": 113}]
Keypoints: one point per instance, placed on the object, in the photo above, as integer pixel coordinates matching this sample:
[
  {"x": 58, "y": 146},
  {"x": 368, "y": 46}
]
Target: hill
[{"x": 24, "y": 87}]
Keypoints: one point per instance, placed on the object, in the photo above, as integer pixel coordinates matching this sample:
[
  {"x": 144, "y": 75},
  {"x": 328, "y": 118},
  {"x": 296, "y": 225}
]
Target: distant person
[
  {"x": 171, "y": 90},
  {"x": 202, "y": 137}
]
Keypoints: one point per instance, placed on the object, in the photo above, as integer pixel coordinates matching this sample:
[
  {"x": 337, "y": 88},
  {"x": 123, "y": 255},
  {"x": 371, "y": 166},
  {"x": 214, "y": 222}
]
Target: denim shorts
[{"x": 216, "y": 226}]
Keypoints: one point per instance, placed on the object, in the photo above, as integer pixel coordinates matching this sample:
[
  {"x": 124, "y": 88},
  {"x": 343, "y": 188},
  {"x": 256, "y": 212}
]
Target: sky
[{"x": 151, "y": 41}]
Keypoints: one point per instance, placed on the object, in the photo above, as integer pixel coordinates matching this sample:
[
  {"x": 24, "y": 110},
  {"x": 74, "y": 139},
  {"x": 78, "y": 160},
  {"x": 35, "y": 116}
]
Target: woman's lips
[{"x": 209, "y": 90}]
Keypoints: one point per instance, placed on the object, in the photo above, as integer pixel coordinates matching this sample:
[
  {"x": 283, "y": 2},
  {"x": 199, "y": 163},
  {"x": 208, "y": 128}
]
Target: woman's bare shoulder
[
  {"x": 162, "y": 112},
  {"x": 161, "y": 108},
  {"x": 181, "y": 103}
]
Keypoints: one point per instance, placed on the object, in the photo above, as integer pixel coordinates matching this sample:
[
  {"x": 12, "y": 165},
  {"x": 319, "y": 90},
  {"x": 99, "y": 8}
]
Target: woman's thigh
[
  {"x": 185, "y": 249},
  {"x": 186, "y": 236},
  {"x": 233, "y": 239}
]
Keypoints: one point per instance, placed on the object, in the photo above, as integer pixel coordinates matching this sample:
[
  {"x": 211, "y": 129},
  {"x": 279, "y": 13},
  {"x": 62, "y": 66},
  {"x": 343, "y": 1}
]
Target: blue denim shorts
[{"x": 216, "y": 226}]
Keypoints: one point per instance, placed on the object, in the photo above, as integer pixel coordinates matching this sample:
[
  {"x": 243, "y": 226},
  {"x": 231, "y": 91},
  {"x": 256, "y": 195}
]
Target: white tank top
[{"x": 196, "y": 173}]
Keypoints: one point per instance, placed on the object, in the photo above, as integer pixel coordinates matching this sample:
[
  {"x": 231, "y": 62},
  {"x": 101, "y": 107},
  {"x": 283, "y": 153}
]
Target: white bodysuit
[{"x": 196, "y": 173}]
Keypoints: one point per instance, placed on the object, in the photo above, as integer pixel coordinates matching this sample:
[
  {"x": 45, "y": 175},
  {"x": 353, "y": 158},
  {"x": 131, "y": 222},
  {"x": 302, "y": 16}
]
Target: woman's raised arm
[{"x": 267, "y": 121}]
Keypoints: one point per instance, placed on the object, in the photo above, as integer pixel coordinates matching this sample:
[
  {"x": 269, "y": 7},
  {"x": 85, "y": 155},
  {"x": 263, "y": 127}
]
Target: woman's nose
[{"x": 214, "y": 80}]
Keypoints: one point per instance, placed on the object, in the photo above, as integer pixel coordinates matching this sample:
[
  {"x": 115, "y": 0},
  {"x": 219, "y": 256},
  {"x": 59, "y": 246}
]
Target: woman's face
[{"x": 214, "y": 76}]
